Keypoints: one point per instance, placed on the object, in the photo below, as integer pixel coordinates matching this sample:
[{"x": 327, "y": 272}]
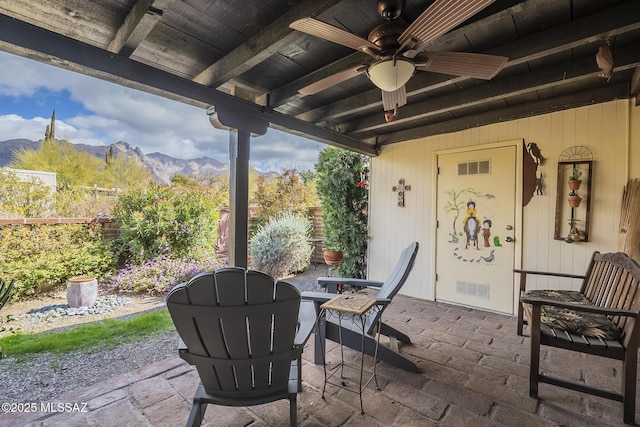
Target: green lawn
[{"x": 90, "y": 337}]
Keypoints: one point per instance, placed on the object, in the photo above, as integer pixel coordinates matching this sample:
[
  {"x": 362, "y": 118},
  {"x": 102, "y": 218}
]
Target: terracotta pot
[
  {"x": 574, "y": 184},
  {"x": 574, "y": 201},
  {"x": 332, "y": 257}
]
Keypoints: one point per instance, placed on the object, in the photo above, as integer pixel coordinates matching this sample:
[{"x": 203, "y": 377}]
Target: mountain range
[{"x": 161, "y": 166}]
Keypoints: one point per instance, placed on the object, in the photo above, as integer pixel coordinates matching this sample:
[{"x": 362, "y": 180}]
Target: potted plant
[
  {"x": 332, "y": 257},
  {"x": 574, "y": 179},
  {"x": 574, "y": 199},
  {"x": 344, "y": 209}
]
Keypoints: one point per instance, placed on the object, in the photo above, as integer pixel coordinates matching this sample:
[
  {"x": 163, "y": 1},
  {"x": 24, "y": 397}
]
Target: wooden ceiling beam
[
  {"x": 614, "y": 21},
  {"x": 140, "y": 20},
  {"x": 260, "y": 47},
  {"x": 289, "y": 92},
  {"x": 635, "y": 85},
  {"x": 535, "y": 81},
  {"x": 572, "y": 100}
]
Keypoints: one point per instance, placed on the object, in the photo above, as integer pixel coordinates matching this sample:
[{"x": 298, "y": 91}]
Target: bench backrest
[{"x": 613, "y": 281}]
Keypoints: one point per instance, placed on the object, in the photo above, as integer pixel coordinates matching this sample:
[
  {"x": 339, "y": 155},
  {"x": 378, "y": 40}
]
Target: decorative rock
[
  {"x": 82, "y": 291},
  {"x": 51, "y": 313}
]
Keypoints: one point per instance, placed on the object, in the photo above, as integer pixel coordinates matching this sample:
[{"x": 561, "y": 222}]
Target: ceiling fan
[{"x": 397, "y": 48}]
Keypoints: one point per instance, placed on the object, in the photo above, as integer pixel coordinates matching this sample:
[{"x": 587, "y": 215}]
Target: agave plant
[{"x": 5, "y": 292}]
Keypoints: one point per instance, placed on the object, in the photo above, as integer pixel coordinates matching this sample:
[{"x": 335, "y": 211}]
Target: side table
[{"x": 350, "y": 308}]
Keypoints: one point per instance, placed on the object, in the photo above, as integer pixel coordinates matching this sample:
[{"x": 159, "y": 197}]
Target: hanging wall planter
[
  {"x": 574, "y": 200},
  {"x": 574, "y": 179},
  {"x": 574, "y": 184},
  {"x": 575, "y": 167}
]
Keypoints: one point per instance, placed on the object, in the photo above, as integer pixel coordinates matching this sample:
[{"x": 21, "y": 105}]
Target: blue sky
[{"x": 96, "y": 112}]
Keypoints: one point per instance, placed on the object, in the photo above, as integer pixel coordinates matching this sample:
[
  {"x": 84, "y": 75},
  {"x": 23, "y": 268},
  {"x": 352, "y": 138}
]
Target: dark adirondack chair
[
  {"x": 245, "y": 333},
  {"x": 351, "y": 333}
]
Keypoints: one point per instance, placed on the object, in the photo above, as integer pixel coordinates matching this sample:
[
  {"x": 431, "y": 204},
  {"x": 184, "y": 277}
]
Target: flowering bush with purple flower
[{"x": 159, "y": 275}]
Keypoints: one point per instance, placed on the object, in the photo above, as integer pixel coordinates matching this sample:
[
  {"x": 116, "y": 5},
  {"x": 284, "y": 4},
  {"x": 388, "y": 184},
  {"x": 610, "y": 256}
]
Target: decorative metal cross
[{"x": 401, "y": 188}]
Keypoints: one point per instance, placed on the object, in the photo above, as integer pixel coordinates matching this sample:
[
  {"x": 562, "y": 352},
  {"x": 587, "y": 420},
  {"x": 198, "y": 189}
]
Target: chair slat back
[
  {"x": 400, "y": 273},
  {"x": 395, "y": 280},
  {"x": 239, "y": 327},
  {"x": 613, "y": 281}
]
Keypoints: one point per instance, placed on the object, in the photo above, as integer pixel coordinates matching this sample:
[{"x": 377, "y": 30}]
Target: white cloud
[
  {"x": 116, "y": 113},
  {"x": 14, "y": 126},
  {"x": 23, "y": 77}
]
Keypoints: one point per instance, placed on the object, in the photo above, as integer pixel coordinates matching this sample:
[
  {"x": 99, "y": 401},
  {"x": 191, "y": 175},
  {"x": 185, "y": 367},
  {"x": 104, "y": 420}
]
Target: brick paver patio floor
[{"x": 474, "y": 373}]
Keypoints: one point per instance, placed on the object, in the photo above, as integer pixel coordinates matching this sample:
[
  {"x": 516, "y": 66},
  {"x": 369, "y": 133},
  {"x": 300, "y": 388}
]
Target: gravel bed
[
  {"x": 46, "y": 376},
  {"x": 104, "y": 304}
]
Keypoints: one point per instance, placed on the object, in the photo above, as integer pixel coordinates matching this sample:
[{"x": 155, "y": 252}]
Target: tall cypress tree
[{"x": 50, "y": 131}]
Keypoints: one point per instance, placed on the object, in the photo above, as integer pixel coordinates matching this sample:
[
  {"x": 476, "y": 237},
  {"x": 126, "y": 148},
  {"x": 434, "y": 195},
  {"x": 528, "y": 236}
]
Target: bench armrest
[
  {"x": 547, "y": 273},
  {"x": 579, "y": 307},
  {"x": 361, "y": 283}
]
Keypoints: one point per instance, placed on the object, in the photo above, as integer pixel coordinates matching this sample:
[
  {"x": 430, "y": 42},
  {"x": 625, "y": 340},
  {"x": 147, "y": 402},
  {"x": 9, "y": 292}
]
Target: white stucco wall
[{"x": 48, "y": 178}]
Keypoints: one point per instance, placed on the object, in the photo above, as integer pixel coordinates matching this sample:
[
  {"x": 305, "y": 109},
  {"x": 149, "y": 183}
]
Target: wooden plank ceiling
[{"x": 202, "y": 51}]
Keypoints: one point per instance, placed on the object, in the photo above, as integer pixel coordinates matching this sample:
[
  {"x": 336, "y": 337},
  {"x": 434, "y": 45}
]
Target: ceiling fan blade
[
  {"x": 474, "y": 65},
  {"x": 333, "y": 34},
  {"x": 332, "y": 80},
  {"x": 440, "y": 17}
]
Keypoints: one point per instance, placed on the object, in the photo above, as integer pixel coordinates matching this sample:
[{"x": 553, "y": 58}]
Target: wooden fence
[
  {"x": 110, "y": 229},
  {"x": 222, "y": 245}
]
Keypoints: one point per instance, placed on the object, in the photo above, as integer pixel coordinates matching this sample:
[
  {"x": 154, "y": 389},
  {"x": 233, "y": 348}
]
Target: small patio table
[{"x": 349, "y": 307}]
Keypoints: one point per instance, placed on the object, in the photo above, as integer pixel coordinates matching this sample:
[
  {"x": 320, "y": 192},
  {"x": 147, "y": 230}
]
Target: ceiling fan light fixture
[{"x": 389, "y": 74}]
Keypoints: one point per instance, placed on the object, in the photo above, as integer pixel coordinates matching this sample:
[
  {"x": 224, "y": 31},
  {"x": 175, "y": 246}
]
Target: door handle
[{"x": 509, "y": 239}]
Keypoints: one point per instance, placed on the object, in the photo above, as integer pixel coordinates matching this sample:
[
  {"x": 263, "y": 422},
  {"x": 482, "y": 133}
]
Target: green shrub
[
  {"x": 42, "y": 257},
  {"x": 344, "y": 207},
  {"x": 281, "y": 246},
  {"x": 72, "y": 167},
  {"x": 83, "y": 202},
  {"x": 164, "y": 220},
  {"x": 28, "y": 199},
  {"x": 278, "y": 194}
]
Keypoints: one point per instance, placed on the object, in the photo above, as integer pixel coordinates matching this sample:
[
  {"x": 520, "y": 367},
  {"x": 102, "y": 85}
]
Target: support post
[
  {"x": 239, "y": 150},
  {"x": 241, "y": 127}
]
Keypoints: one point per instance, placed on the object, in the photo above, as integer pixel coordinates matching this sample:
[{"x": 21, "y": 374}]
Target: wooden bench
[{"x": 599, "y": 319}]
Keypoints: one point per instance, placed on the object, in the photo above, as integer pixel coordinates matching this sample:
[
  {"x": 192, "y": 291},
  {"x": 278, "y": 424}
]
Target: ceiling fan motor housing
[
  {"x": 390, "y": 9},
  {"x": 385, "y": 36}
]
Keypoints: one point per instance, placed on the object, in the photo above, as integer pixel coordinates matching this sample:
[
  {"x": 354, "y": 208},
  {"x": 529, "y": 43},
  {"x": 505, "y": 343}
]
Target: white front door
[{"x": 476, "y": 196}]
